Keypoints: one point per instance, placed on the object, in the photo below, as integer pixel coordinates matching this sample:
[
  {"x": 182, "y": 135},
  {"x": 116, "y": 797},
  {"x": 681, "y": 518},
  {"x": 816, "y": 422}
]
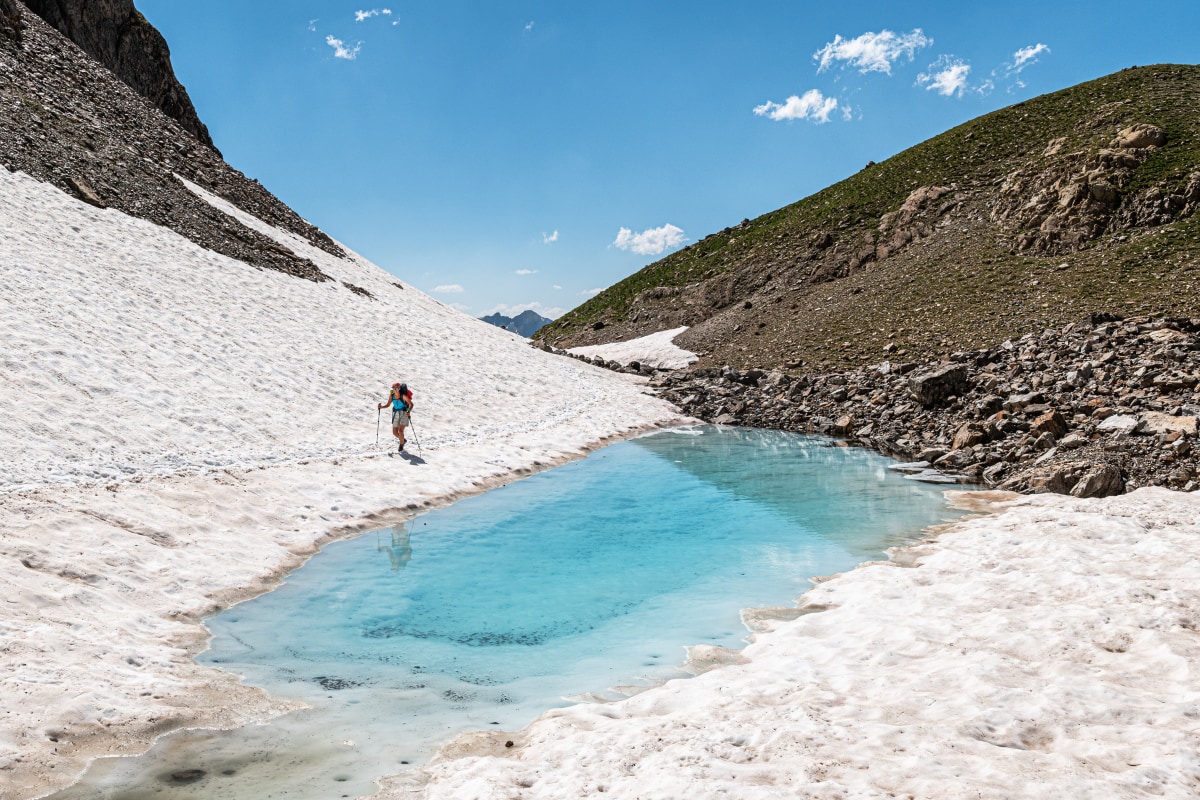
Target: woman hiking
[{"x": 400, "y": 399}]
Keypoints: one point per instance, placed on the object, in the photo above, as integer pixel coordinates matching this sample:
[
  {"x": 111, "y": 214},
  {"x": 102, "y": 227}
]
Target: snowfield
[{"x": 179, "y": 430}]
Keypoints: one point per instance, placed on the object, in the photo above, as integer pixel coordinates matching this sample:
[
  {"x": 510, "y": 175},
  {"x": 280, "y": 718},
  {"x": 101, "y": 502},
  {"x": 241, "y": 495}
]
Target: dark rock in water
[
  {"x": 116, "y": 34},
  {"x": 936, "y": 386},
  {"x": 185, "y": 776}
]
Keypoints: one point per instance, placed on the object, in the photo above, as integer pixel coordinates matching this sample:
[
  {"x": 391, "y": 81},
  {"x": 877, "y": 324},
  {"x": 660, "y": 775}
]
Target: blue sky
[{"x": 511, "y": 155}]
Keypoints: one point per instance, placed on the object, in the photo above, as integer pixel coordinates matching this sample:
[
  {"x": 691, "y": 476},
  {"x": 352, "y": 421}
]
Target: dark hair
[{"x": 404, "y": 387}]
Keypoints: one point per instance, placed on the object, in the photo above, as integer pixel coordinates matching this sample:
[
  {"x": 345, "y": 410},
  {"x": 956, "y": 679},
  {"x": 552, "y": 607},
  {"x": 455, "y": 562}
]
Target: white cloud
[
  {"x": 535, "y": 307},
  {"x": 1025, "y": 57},
  {"x": 649, "y": 242},
  {"x": 556, "y": 286},
  {"x": 1028, "y": 55},
  {"x": 872, "y": 52},
  {"x": 312, "y": 24},
  {"x": 592, "y": 292},
  {"x": 551, "y": 238},
  {"x": 813, "y": 105},
  {"x": 450, "y": 288},
  {"x": 527, "y": 272},
  {"x": 947, "y": 76},
  {"x": 529, "y": 27},
  {"x": 341, "y": 51}
]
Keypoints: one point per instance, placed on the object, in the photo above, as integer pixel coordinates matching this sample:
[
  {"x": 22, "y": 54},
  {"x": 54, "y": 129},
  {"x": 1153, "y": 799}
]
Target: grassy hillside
[{"x": 832, "y": 278}]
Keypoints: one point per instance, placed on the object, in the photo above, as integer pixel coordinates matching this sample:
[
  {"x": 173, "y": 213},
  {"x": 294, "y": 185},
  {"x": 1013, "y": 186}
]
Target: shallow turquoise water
[{"x": 577, "y": 583}]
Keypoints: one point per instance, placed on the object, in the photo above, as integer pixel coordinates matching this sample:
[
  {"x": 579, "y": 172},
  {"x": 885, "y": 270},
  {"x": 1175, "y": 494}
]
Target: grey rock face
[
  {"x": 116, "y": 34},
  {"x": 10, "y": 20}
]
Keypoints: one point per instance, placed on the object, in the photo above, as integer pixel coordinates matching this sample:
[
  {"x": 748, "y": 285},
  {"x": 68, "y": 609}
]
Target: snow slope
[
  {"x": 654, "y": 350},
  {"x": 178, "y": 429}
]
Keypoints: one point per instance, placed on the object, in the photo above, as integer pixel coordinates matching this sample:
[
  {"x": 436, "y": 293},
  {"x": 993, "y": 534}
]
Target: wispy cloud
[
  {"x": 312, "y": 24},
  {"x": 592, "y": 292},
  {"x": 361, "y": 16},
  {"x": 947, "y": 76},
  {"x": 449, "y": 288},
  {"x": 340, "y": 50},
  {"x": 1028, "y": 55},
  {"x": 527, "y": 272},
  {"x": 1025, "y": 57},
  {"x": 550, "y": 239},
  {"x": 813, "y": 105},
  {"x": 871, "y": 52},
  {"x": 529, "y": 26},
  {"x": 649, "y": 242},
  {"x": 556, "y": 286}
]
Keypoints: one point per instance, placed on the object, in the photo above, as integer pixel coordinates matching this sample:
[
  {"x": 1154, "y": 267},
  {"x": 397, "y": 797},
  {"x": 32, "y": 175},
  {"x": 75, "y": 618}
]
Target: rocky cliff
[
  {"x": 116, "y": 34},
  {"x": 69, "y": 121}
]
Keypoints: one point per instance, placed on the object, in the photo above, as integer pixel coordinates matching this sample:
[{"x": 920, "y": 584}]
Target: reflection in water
[{"x": 400, "y": 550}]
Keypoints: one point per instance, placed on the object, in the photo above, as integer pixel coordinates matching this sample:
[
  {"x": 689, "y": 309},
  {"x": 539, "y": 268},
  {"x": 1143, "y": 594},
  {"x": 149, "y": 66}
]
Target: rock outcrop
[
  {"x": 69, "y": 121},
  {"x": 10, "y": 20},
  {"x": 116, "y": 34}
]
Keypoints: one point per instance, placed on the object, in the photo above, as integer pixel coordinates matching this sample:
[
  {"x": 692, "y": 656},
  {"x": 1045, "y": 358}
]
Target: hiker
[{"x": 401, "y": 400}]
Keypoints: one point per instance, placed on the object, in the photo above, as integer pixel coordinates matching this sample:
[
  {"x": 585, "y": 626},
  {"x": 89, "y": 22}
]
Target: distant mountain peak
[{"x": 527, "y": 323}]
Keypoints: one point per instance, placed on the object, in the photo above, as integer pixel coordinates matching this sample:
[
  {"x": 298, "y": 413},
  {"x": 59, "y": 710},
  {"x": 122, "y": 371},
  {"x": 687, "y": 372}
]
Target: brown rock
[
  {"x": 1155, "y": 422},
  {"x": 969, "y": 435},
  {"x": 1104, "y": 480},
  {"x": 1050, "y": 422}
]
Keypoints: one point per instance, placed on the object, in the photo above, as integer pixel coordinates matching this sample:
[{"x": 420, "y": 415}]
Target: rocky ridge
[
  {"x": 116, "y": 34},
  {"x": 1095, "y": 408},
  {"x": 68, "y": 121}
]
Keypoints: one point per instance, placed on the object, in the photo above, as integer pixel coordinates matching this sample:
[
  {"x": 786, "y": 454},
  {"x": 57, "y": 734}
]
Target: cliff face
[
  {"x": 10, "y": 20},
  {"x": 116, "y": 34}
]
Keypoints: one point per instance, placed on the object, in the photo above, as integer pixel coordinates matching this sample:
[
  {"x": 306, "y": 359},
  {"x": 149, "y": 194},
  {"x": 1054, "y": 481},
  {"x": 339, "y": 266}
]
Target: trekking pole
[
  {"x": 416, "y": 438},
  {"x": 378, "y": 413}
]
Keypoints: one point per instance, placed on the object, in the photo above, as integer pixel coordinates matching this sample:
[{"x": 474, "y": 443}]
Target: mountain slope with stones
[
  {"x": 1078, "y": 202},
  {"x": 70, "y": 122},
  {"x": 116, "y": 34}
]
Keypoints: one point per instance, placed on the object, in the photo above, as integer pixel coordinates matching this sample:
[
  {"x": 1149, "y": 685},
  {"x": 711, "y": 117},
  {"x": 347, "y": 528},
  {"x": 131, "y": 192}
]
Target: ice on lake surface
[{"x": 588, "y": 580}]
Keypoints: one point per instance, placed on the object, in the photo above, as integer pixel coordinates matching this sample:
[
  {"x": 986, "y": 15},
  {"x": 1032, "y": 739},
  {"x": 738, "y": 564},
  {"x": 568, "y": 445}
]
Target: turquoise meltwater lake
[{"x": 585, "y": 583}]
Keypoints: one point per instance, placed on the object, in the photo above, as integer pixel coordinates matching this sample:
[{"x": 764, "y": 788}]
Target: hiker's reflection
[{"x": 400, "y": 551}]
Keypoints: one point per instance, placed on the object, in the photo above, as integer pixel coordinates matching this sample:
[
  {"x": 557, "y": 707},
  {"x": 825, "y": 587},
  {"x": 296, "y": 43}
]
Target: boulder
[
  {"x": 969, "y": 435},
  {"x": 1140, "y": 135},
  {"x": 1103, "y": 480},
  {"x": 1155, "y": 422},
  {"x": 1050, "y": 422},
  {"x": 935, "y": 386},
  {"x": 1119, "y": 423}
]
